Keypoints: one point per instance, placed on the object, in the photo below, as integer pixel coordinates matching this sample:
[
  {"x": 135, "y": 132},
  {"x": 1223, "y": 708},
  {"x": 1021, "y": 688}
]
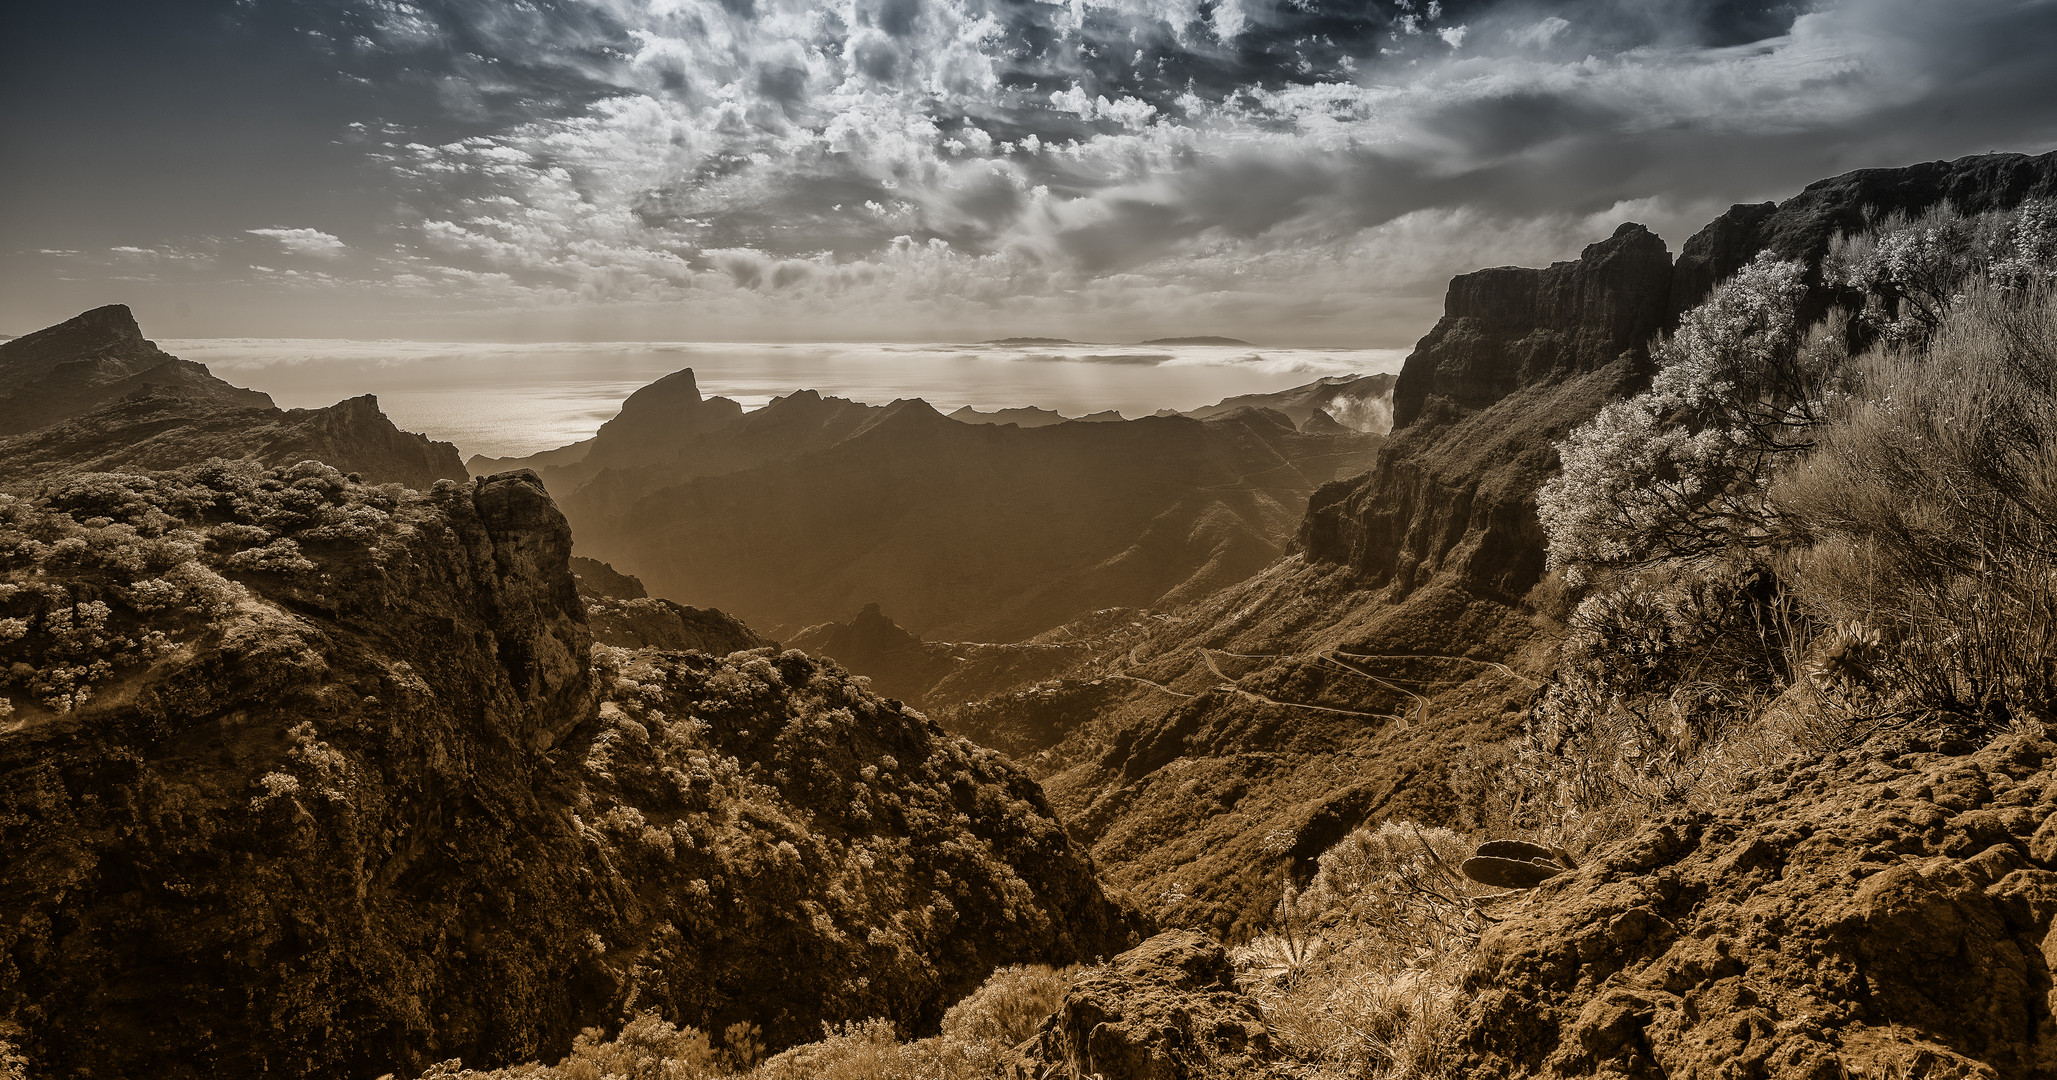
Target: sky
[{"x": 1292, "y": 172}]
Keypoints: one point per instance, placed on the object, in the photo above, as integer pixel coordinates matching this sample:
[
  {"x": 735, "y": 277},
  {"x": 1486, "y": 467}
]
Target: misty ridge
[{"x": 1653, "y": 678}]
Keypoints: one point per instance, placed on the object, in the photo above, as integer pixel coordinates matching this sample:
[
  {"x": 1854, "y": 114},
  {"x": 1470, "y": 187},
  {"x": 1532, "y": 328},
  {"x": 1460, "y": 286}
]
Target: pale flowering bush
[
  {"x": 1682, "y": 468},
  {"x": 1783, "y": 543},
  {"x": 1909, "y": 272}
]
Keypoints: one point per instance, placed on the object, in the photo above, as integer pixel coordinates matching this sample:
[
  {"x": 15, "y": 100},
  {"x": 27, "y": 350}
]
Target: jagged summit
[
  {"x": 112, "y": 326},
  {"x": 92, "y": 393}
]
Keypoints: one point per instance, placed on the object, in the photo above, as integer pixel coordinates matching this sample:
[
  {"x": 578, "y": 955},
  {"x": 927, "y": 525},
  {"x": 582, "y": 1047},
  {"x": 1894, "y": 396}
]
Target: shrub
[
  {"x": 1932, "y": 512},
  {"x": 1396, "y": 925},
  {"x": 1682, "y": 468},
  {"x": 1007, "y": 1009}
]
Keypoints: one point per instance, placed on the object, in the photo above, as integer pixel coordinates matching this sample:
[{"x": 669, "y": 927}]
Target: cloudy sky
[{"x": 1289, "y": 171}]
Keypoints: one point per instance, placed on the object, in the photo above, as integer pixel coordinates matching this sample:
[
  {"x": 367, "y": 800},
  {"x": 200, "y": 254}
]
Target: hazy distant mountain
[
  {"x": 93, "y": 394},
  {"x": 1201, "y": 340},
  {"x": 92, "y": 359},
  {"x": 1356, "y": 402},
  {"x": 811, "y": 507},
  {"x": 1030, "y": 416},
  {"x": 1029, "y": 341}
]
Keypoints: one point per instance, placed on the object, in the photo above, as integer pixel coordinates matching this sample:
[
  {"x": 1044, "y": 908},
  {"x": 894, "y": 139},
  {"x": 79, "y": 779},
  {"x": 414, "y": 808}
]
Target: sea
[{"x": 506, "y": 400}]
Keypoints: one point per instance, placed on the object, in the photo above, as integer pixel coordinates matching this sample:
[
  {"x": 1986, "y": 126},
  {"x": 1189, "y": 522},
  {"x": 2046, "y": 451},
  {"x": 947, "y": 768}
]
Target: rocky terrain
[
  {"x": 1880, "y": 912},
  {"x": 314, "y": 777},
  {"x": 241, "y": 700},
  {"x": 1369, "y": 673},
  {"x": 93, "y": 394}
]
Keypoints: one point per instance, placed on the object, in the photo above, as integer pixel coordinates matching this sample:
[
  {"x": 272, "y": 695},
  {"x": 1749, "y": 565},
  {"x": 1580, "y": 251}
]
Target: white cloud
[
  {"x": 304, "y": 241},
  {"x": 930, "y": 163}
]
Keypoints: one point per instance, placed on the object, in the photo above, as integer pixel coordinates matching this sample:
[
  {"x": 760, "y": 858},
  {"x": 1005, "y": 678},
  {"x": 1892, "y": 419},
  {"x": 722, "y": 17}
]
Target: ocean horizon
[{"x": 505, "y": 400}]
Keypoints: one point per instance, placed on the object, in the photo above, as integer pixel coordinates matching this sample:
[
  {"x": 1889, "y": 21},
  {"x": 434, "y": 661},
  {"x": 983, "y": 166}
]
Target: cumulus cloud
[
  {"x": 1309, "y": 166},
  {"x": 304, "y": 241}
]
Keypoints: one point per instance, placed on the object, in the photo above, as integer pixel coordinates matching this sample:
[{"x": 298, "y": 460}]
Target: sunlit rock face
[{"x": 320, "y": 778}]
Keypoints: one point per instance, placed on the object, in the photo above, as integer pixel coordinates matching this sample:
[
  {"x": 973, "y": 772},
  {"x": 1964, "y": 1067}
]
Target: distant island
[{"x": 1153, "y": 341}]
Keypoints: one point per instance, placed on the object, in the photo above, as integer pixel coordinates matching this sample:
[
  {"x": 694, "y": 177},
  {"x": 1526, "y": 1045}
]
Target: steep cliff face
[
  {"x": 321, "y": 779},
  {"x": 92, "y": 394},
  {"x": 1511, "y": 327}
]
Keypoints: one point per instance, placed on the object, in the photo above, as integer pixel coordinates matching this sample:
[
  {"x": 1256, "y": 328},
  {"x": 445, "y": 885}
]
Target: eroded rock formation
[
  {"x": 1886, "y": 912},
  {"x": 353, "y": 793}
]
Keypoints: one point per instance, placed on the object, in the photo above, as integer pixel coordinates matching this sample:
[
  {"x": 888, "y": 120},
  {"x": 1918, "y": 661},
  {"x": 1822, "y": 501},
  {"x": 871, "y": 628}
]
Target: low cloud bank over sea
[{"x": 513, "y": 399}]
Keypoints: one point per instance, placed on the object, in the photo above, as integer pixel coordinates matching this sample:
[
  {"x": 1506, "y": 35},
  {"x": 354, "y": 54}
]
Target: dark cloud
[{"x": 1294, "y": 157}]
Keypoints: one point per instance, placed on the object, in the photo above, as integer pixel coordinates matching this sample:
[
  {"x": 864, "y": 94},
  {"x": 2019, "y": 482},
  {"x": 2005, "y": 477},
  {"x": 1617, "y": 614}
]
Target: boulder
[{"x": 1167, "y": 1009}]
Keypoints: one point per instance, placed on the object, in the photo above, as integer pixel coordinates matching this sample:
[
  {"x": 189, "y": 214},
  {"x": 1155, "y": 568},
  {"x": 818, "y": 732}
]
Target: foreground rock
[
  {"x": 1879, "y": 915},
  {"x": 300, "y": 776},
  {"x": 1166, "y": 1010}
]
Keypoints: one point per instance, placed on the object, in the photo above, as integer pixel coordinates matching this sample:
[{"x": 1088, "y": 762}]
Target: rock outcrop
[
  {"x": 91, "y": 359},
  {"x": 1803, "y": 226},
  {"x": 319, "y": 778},
  {"x": 1168, "y": 1009},
  {"x": 664, "y": 624},
  {"x": 92, "y": 394},
  {"x": 1879, "y": 913},
  {"x": 1511, "y": 328}
]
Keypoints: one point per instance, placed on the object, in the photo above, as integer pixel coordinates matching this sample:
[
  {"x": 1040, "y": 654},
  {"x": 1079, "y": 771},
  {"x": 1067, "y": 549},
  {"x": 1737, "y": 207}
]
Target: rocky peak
[
  {"x": 540, "y": 623},
  {"x": 657, "y": 418},
  {"x": 1510, "y": 327},
  {"x": 1803, "y": 226},
  {"x": 103, "y": 328},
  {"x": 908, "y": 417}
]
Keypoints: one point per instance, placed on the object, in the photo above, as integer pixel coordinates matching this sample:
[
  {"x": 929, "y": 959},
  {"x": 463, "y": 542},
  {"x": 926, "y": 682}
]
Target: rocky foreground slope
[
  {"x": 308, "y": 777},
  {"x": 1885, "y": 912}
]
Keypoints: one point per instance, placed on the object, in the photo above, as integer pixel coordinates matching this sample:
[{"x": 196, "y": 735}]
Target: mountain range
[
  {"x": 346, "y": 768},
  {"x": 811, "y": 507}
]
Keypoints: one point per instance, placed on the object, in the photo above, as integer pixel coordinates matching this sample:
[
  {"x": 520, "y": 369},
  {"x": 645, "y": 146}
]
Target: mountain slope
[
  {"x": 974, "y": 532},
  {"x": 1370, "y": 673},
  {"x": 303, "y": 776},
  {"x": 812, "y": 507},
  {"x": 92, "y": 394}
]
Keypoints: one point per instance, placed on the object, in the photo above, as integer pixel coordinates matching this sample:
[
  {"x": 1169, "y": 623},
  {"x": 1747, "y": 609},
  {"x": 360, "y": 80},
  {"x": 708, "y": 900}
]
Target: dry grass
[
  {"x": 1387, "y": 928},
  {"x": 977, "y": 1041}
]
